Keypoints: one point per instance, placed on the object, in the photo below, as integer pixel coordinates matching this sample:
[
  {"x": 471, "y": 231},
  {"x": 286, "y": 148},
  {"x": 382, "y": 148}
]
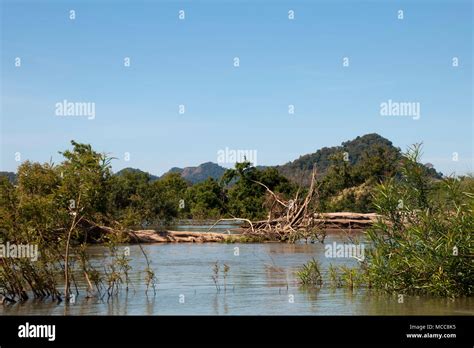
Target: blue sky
[{"x": 190, "y": 62}]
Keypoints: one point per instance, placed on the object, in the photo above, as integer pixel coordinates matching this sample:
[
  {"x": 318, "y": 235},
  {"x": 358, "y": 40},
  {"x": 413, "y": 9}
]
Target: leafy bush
[{"x": 422, "y": 243}]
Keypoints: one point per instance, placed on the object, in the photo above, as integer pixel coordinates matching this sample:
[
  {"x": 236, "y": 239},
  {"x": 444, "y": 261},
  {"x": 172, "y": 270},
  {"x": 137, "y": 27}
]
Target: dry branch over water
[{"x": 288, "y": 220}]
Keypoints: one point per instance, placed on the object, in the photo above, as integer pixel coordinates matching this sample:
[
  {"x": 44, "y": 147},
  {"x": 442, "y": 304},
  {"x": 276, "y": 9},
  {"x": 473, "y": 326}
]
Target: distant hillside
[
  {"x": 135, "y": 170},
  {"x": 299, "y": 170},
  {"x": 10, "y": 175},
  {"x": 199, "y": 173}
]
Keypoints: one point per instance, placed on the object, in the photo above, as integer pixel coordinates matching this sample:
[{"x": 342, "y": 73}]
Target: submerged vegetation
[
  {"x": 216, "y": 270},
  {"x": 422, "y": 242},
  {"x": 56, "y": 208},
  {"x": 310, "y": 274}
]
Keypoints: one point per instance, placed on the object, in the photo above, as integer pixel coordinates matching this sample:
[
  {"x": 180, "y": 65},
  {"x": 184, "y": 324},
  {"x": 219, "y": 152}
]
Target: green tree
[
  {"x": 127, "y": 197},
  {"x": 206, "y": 200},
  {"x": 85, "y": 181},
  {"x": 246, "y": 197}
]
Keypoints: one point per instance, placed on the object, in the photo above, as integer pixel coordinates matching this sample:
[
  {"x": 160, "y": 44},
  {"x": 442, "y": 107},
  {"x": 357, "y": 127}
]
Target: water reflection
[
  {"x": 149, "y": 304},
  {"x": 261, "y": 280}
]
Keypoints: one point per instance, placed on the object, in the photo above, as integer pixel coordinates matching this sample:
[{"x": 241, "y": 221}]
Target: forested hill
[
  {"x": 366, "y": 148},
  {"x": 136, "y": 171},
  {"x": 199, "y": 173},
  {"x": 323, "y": 158},
  {"x": 10, "y": 175}
]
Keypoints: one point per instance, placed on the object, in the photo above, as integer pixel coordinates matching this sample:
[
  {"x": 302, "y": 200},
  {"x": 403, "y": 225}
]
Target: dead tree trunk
[{"x": 289, "y": 220}]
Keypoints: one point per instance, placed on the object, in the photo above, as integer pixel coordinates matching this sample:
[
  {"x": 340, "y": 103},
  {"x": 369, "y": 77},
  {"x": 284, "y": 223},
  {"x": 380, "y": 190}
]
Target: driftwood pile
[
  {"x": 291, "y": 220},
  {"x": 262, "y": 230},
  {"x": 288, "y": 220}
]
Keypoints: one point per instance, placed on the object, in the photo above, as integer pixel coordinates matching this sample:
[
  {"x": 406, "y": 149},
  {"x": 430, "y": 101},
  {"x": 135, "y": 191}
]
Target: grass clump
[{"x": 310, "y": 274}]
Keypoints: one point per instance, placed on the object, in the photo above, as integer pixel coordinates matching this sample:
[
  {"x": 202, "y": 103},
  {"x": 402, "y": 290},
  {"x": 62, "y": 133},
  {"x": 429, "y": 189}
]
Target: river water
[{"x": 261, "y": 280}]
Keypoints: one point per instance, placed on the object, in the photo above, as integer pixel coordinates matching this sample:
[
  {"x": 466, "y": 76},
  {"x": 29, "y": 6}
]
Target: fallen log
[
  {"x": 96, "y": 233},
  {"x": 339, "y": 219},
  {"x": 348, "y": 215},
  {"x": 345, "y": 220},
  {"x": 152, "y": 236}
]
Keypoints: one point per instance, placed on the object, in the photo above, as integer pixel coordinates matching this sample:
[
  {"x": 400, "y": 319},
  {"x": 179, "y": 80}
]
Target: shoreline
[{"x": 330, "y": 222}]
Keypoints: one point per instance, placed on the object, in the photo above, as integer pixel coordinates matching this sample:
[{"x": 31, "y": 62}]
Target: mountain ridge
[{"x": 296, "y": 170}]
